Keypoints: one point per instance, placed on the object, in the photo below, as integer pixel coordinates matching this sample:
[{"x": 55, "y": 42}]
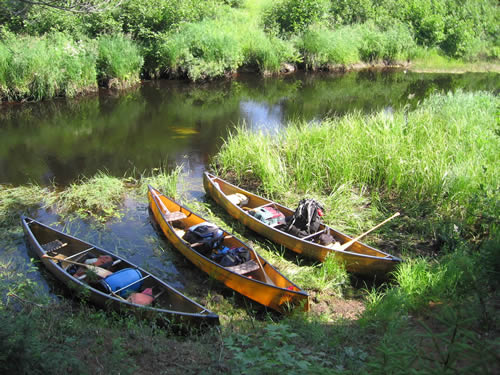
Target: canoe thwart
[
  {"x": 244, "y": 268},
  {"x": 176, "y": 215},
  {"x": 307, "y": 238},
  {"x": 53, "y": 245}
]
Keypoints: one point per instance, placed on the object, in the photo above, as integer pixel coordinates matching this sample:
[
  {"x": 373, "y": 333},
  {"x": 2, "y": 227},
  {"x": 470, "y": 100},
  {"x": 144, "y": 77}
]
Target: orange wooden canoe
[
  {"x": 256, "y": 279},
  {"x": 358, "y": 258},
  {"x": 168, "y": 308}
]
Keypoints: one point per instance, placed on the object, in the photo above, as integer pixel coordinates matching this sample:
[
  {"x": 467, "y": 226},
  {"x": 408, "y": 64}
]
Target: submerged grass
[{"x": 99, "y": 197}]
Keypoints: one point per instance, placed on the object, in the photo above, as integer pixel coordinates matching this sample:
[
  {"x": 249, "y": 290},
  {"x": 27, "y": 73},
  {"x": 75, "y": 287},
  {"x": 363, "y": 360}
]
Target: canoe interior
[{"x": 45, "y": 240}]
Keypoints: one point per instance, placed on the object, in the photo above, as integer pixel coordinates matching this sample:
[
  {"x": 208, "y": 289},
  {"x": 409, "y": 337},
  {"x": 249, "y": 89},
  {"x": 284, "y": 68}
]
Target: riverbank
[
  {"x": 438, "y": 312},
  {"x": 73, "y": 53}
]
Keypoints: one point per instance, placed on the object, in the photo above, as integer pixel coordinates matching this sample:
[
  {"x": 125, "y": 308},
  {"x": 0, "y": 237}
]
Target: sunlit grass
[
  {"x": 37, "y": 68},
  {"x": 99, "y": 197},
  {"x": 162, "y": 180},
  {"x": 444, "y": 153}
]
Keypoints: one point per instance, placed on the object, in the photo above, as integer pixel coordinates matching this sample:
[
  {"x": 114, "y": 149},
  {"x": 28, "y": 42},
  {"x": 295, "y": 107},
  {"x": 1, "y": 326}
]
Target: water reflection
[{"x": 169, "y": 123}]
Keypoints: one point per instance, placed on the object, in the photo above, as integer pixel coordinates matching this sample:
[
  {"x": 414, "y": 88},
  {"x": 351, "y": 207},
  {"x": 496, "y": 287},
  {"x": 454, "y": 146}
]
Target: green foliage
[
  {"x": 245, "y": 152},
  {"x": 97, "y": 197},
  {"x": 294, "y": 16},
  {"x": 394, "y": 44},
  {"x": 44, "y": 67},
  {"x": 322, "y": 47},
  {"x": 276, "y": 351},
  {"x": 17, "y": 200},
  {"x": 202, "y": 50},
  {"x": 267, "y": 52},
  {"x": 346, "y": 45},
  {"x": 24, "y": 351},
  {"x": 162, "y": 180},
  {"x": 119, "y": 61}
]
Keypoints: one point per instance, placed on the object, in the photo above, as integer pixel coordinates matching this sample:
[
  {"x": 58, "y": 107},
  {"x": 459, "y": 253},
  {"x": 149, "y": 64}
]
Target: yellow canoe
[
  {"x": 358, "y": 258},
  {"x": 255, "y": 279}
]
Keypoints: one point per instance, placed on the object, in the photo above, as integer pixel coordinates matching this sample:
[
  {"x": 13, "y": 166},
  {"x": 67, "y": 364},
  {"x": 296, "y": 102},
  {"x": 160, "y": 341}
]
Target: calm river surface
[{"x": 171, "y": 123}]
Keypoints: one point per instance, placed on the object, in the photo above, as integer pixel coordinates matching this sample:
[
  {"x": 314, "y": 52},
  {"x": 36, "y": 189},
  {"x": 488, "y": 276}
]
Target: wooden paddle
[
  {"x": 268, "y": 279},
  {"x": 101, "y": 272},
  {"x": 348, "y": 244}
]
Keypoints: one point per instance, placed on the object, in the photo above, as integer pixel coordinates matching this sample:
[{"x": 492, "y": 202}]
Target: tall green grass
[
  {"x": 119, "y": 62},
  {"x": 43, "y": 67},
  {"x": 322, "y": 47},
  {"x": 207, "y": 49},
  {"x": 444, "y": 152}
]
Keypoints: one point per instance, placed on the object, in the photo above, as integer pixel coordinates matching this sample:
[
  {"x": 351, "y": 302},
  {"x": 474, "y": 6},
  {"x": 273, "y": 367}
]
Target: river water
[{"x": 174, "y": 123}]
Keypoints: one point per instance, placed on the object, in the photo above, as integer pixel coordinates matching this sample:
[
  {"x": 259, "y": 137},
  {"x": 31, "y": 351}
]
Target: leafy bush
[{"x": 294, "y": 16}]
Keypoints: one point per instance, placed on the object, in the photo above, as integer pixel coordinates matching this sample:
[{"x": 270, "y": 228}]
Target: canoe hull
[
  {"x": 177, "y": 310},
  {"x": 360, "y": 259},
  {"x": 281, "y": 297}
]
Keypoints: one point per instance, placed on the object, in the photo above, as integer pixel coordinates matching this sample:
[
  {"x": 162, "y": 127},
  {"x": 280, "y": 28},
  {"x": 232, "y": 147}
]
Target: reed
[
  {"x": 161, "y": 179},
  {"x": 207, "y": 49}
]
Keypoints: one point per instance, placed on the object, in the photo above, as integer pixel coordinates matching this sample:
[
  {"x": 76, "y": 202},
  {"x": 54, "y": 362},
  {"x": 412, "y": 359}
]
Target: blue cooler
[{"x": 122, "y": 278}]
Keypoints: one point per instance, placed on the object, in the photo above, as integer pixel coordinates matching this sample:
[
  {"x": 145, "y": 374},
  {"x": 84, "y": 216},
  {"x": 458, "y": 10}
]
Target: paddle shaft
[
  {"x": 347, "y": 244},
  {"x": 268, "y": 279},
  {"x": 101, "y": 272},
  {"x": 158, "y": 199}
]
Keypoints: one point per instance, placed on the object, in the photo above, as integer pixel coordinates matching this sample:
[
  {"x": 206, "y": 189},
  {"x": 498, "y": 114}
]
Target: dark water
[{"x": 167, "y": 124}]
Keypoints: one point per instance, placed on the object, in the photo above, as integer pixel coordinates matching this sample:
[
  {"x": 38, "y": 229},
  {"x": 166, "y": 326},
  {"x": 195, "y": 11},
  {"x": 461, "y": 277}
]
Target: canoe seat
[
  {"x": 53, "y": 245},
  {"x": 176, "y": 215},
  {"x": 244, "y": 268}
]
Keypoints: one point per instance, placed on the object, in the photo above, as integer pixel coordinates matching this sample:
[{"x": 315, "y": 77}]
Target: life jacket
[{"x": 306, "y": 219}]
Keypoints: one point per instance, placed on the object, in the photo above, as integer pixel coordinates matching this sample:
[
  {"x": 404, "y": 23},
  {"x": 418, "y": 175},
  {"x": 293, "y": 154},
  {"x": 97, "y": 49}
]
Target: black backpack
[
  {"x": 208, "y": 234},
  {"x": 228, "y": 257},
  {"x": 306, "y": 219}
]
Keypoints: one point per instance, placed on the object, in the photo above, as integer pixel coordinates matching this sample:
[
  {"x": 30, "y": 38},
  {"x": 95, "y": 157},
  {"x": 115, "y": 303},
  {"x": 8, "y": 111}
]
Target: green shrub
[
  {"x": 267, "y": 52},
  {"x": 119, "y": 61},
  {"x": 45, "y": 67},
  {"x": 208, "y": 49},
  {"x": 294, "y": 16}
]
